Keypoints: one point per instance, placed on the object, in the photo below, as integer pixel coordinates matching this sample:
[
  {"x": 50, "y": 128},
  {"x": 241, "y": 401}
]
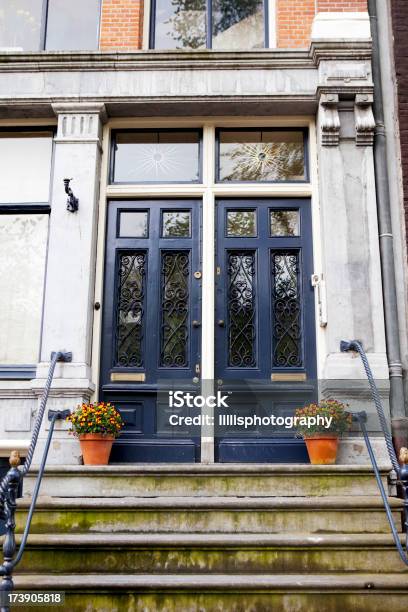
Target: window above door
[
  {"x": 212, "y": 24},
  {"x": 33, "y": 25}
]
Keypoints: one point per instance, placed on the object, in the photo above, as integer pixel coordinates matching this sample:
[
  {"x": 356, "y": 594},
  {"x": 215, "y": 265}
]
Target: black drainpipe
[{"x": 398, "y": 420}]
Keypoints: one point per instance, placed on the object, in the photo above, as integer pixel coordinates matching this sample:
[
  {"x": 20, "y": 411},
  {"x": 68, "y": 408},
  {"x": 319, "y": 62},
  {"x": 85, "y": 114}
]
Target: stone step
[
  {"x": 217, "y": 592},
  {"x": 211, "y": 553},
  {"x": 340, "y": 514},
  {"x": 200, "y": 480}
]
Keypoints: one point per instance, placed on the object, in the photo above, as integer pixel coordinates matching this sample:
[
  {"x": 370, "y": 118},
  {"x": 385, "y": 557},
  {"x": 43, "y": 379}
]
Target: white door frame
[{"x": 208, "y": 191}]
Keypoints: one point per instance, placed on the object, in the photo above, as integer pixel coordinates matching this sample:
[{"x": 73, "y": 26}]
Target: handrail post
[
  {"x": 403, "y": 478},
  {"x": 10, "y": 505}
]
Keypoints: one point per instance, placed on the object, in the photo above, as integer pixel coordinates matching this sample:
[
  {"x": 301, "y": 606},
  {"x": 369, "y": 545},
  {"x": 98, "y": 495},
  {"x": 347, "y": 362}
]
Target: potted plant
[
  {"x": 96, "y": 426},
  {"x": 322, "y": 434}
]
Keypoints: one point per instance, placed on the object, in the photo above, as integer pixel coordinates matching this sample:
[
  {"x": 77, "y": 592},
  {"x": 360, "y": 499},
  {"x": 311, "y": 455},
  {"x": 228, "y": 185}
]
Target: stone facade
[{"x": 329, "y": 85}]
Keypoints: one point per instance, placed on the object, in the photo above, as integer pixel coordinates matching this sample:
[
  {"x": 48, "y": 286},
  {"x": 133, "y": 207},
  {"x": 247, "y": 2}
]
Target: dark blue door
[
  {"x": 265, "y": 329},
  {"x": 151, "y": 322}
]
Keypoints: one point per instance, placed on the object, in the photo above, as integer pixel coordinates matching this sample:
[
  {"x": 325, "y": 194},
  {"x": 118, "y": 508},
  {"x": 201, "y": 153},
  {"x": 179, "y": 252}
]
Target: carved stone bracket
[
  {"x": 330, "y": 120},
  {"x": 364, "y": 120}
]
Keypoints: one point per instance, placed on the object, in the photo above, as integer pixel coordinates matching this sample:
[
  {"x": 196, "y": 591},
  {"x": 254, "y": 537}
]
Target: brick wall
[
  {"x": 294, "y": 18},
  {"x": 400, "y": 30},
  {"x": 122, "y": 21},
  {"x": 341, "y": 6},
  {"x": 121, "y": 25}
]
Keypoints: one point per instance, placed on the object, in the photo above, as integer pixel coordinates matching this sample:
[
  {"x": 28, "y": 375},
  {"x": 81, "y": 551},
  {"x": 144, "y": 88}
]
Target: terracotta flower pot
[
  {"x": 96, "y": 448},
  {"x": 322, "y": 449}
]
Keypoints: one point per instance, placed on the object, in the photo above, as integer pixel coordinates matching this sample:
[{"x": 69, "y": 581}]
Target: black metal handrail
[
  {"x": 11, "y": 482},
  {"x": 401, "y": 471}
]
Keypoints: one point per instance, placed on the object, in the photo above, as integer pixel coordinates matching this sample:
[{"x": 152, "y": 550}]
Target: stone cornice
[
  {"x": 339, "y": 50},
  {"x": 154, "y": 60},
  {"x": 185, "y": 60}
]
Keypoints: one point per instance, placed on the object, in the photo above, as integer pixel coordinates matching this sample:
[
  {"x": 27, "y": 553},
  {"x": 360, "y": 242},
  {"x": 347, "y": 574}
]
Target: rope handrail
[{"x": 10, "y": 484}]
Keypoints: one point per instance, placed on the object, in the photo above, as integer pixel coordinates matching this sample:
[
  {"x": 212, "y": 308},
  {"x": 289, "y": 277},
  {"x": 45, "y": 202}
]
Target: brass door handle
[
  {"x": 196, "y": 323},
  {"x": 221, "y": 322}
]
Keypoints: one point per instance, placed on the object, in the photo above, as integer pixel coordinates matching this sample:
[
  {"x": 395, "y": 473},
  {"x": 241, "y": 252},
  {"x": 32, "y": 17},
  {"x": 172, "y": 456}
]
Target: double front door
[{"x": 263, "y": 324}]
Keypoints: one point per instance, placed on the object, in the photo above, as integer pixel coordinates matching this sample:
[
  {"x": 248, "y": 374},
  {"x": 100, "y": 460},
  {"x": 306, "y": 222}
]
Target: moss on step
[
  {"x": 226, "y": 560},
  {"x": 277, "y": 520}
]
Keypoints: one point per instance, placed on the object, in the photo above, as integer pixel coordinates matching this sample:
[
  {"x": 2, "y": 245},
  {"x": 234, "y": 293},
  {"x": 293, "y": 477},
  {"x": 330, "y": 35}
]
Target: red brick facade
[
  {"x": 122, "y": 21},
  {"x": 121, "y": 25},
  {"x": 294, "y": 21},
  {"x": 400, "y": 30},
  {"x": 341, "y": 6},
  {"x": 294, "y": 18}
]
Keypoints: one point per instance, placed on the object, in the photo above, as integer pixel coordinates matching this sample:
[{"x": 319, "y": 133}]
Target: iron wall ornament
[
  {"x": 287, "y": 329},
  {"x": 175, "y": 274},
  {"x": 130, "y": 310},
  {"x": 72, "y": 201},
  {"x": 241, "y": 309}
]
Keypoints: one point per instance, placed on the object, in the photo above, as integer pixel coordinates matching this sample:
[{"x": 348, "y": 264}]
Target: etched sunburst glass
[
  {"x": 261, "y": 155},
  {"x": 157, "y": 156}
]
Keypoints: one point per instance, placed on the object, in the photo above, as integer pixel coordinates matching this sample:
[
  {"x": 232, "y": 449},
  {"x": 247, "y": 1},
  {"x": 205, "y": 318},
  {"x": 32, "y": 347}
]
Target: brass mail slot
[
  {"x": 128, "y": 377},
  {"x": 288, "y": 376}
]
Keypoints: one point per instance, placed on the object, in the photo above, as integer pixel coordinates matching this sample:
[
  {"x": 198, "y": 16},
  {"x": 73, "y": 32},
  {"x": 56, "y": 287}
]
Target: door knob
[
  {"x": 221, "y": 322},
  {"x": 196, "y": 323}
]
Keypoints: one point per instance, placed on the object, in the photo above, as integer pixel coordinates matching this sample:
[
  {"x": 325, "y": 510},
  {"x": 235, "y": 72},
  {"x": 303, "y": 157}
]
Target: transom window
[
  {"x": 215, "y": 24},
  {"x": 32, "y": 25},
  {"x": 265, "y": 155},
  {"x": 156, "y": 156}
]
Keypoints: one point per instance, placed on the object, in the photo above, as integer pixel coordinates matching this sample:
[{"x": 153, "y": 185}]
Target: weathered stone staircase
[{"x": 244, "y": 538}]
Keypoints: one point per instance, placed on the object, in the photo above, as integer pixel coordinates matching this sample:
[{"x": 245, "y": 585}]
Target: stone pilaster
[
  {"x": 69, "y": 286},
  {"x": 348, "y": 217}
]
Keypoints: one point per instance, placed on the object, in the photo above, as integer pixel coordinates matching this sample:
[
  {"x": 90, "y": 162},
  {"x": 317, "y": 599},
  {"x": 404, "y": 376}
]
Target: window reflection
[
  {"x": 176, "y": 224},
  {"x": 261, "y": 155},
  {"x": 72, "y": 25},
  {"x": 133, "y": 224},
  {"x": 241, "y": 223},
  {"x": 238, "y": 24},
  {"x": 157, "y": 156},
  {"x": 20, "y": 24},
  {"x": 235, "y": 24},
  {"x": 180, "y": 24},
  {"x": 25, "y": 166},
  {"x": 285, "y": 223}
]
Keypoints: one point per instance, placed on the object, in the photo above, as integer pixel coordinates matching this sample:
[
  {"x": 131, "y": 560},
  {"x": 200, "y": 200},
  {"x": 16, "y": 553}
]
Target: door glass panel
[
  {"x": 20, "y": 24},
  {"x": 157, "y": 156},
  {"x": 287, "y": 331},
  {"x": 72, "y": 25},
  {"x": 241, "y": 309},
  {"x": 175, "y": 278},
  {"x": 133, "y": 225},
  {"x": 284, "y": 223},
  {"x": 238, "y": 24},
  {"x": 261, "y": 155},
  {"x": 180, "y": 24},
  {"x": 241, "y": 223},
  {"x": 176, "y": 224},
  {"x": 130, "y": 310}
]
